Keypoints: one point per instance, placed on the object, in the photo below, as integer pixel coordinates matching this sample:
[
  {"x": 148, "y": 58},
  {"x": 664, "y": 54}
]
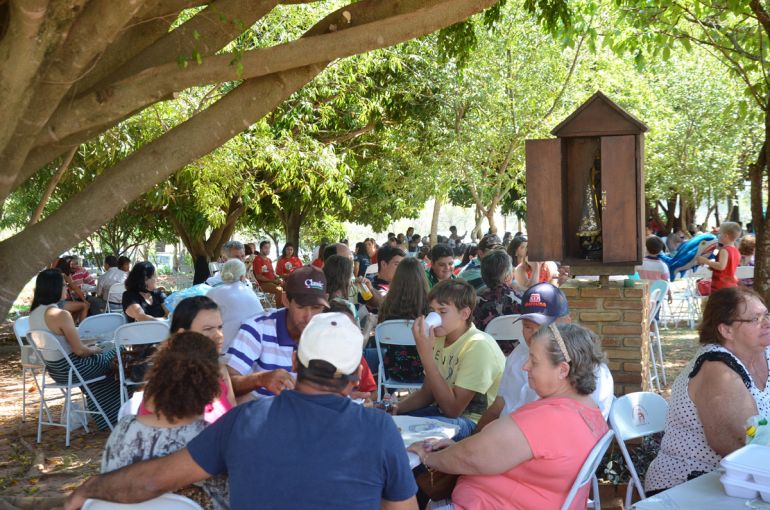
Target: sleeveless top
[
  {"x": 684, "y": 452},
  {"x": 726, "y": 277},
  {"x": 37, "y": 322}
]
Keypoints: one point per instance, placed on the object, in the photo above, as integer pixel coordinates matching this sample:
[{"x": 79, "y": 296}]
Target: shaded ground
[{"x": 48, "y": 470}]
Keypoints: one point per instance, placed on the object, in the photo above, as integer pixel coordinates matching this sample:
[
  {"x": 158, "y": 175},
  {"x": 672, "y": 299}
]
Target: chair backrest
[
  {"x": 102, "y": 325},
  {"x": 590, "y": 466},
  {"x": 744, "y": 272},
  {"x": 115, "y": 294},
  {"x": 506, "y": 327},
  {"x": 46, "y": 345},
  {"x": 20, "y": 329},
  {"x": 28, "y": 357},
  {"x": 394, "y": 332},
  {"x": 137, "y": 333},
  {"x": 163, "y": 502},
  {"x": 638, "y": 414}
]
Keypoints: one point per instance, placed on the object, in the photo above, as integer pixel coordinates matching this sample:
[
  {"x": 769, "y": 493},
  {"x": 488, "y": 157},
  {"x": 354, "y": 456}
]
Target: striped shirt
[{"x": 262, "y": 343}]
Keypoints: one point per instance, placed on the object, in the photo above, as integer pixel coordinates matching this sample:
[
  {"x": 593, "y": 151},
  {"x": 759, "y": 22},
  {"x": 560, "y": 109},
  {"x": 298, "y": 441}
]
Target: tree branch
[
  {"x": 52, "y": 186},
  {"x": 350, "y": 135}
]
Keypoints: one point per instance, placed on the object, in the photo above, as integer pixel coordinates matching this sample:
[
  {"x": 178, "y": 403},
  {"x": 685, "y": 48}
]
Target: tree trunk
[
  {"x": 52, "y": 186},
  {"x": 491, "y": 220},
  {"x": 670, "y": 213},
  {"x": 434, "y": 220},
  {"x": 682, "y": 213},
  {"x": 478, "y": 217},
  {"x": 291, "y": 225},
  {"x": 757, "y": 174}
]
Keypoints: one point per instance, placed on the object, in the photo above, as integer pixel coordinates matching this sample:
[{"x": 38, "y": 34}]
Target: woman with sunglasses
[{"x": 725, "y": 384}]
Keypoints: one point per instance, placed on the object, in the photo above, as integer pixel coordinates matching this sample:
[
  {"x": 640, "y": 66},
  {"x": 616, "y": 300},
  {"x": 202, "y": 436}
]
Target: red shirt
[
  {"x": 318, "y": 263},
  {"x": 726, "y": 277},
  {"x": 263, "y": 266},
  {"x": 286, "y": 265},
  {"x": 366, "y": 384}
]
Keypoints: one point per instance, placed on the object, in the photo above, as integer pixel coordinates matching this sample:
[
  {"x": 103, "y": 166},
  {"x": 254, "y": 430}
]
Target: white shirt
[
  {"x": 112, "y": 276},
  {"x": 236, "y": 304},
  {"x": 515, "y": 390}
]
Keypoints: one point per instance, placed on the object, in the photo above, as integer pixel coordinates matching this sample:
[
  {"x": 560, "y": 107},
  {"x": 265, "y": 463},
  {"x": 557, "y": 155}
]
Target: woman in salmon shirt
[
  {"x": 530, "y": 458},
  {"x": 288, "y": 261}
]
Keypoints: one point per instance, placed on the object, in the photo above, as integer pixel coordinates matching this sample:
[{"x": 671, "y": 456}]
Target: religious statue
[{"x": 590, "y": 226}]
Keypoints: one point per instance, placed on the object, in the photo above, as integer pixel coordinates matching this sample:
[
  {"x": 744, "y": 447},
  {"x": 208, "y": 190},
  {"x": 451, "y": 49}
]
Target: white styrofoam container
[
  {"x": 743, "y": 489},
  {"x": 750, "y": 463}
]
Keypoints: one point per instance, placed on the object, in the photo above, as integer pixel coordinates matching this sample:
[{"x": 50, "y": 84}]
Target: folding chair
[
  {"x": 166, "y": 501},
  {"x": 30, "y": 363},
  {"x": 115, "y": 298},
  {"x": 586, "y": 473},
  {"x": 48, "y": 348},
  {"x": 101, "y": 326},
  {"x": 658, "y": 292},
  {"x": 506, "y": 328},
  {"x": 394, "y": 332},
  {"x": 137, "y": 333},
  {"x": 632, "y": 416}
]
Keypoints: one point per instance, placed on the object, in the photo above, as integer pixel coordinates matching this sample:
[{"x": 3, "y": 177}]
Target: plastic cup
[{"x": 433, "y": 319}]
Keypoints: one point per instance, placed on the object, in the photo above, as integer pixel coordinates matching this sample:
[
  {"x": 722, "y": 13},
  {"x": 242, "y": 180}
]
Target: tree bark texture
[{"x": 101, "y": 37}]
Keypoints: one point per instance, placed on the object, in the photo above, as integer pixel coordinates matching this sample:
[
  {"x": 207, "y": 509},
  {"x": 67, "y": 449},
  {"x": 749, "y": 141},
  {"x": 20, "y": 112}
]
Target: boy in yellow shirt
[{"x": 463, "y": 365}]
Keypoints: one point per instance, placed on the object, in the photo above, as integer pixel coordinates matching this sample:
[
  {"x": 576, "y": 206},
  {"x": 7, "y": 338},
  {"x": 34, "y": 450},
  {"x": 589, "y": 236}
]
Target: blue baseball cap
[{"x": 543, "y": 304}]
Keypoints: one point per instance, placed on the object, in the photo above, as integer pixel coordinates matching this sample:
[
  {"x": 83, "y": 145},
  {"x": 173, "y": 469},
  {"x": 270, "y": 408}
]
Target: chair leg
[
  {"x": 597, "y": 497},
  {"x": 23, "y": 395},
  {"x": 654, "y": 379},
  {"x": 660, "y": 354},
  {"x": 40, "y": 414},
  {"x": 67, "y": 412}
]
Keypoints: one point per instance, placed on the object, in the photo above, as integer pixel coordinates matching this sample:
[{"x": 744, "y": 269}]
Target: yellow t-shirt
[{"x": 473, "y": 362}]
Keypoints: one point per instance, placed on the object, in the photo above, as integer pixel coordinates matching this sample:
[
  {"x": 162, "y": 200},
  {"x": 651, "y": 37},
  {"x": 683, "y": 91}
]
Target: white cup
[{"x": 433, "y": 319}]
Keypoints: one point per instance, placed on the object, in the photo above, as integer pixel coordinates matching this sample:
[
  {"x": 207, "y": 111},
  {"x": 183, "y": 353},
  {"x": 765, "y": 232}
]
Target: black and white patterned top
[
  {"x": 684, "y": 452},
  {"x": 132, "y": 441}
]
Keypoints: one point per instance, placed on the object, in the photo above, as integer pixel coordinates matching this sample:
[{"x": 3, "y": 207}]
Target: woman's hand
[
  {"x": 424, "y": 343},
  {"x": 434, "y": 445}
]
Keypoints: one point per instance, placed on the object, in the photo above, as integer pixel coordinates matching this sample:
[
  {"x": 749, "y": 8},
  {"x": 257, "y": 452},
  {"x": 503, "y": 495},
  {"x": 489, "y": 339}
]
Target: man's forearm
[
  {"x": 491, "y": 414},
  {"x": 442, "y": 393},
  {"x": 243, "y": 384}
]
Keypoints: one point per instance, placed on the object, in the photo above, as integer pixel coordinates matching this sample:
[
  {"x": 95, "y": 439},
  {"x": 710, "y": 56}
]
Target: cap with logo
[
  {"x": 306, "y": 286},
  {"x": 333, "y": 338},
  {"x": 543, "y": 303}
]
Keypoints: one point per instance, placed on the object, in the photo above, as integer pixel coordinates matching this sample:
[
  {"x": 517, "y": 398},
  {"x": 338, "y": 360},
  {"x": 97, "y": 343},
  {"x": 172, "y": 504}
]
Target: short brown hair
[
  {"x": 748, "y": 245},
  {"x": 459, "y": 293},
  {"x": 731, "y": 229},
  {"x": 184, "y": 376},
  {"x": 723, "y": 307},
  {"x": 654, "y": 245}
]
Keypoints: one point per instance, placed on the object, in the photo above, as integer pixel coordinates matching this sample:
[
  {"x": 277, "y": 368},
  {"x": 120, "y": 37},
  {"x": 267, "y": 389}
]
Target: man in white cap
[
  {"x": 310, "y": 448},
  {"x": 542, "y": 304}
]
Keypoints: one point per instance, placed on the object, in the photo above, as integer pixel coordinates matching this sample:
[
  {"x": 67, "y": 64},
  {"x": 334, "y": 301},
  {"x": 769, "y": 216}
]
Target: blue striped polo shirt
[{"x": 262, "y": 343}]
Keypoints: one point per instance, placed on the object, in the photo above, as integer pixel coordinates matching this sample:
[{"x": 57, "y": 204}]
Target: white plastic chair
[
  {"x": 506, "y": 327},
  {"x": 586, "y": 473},
  {"x": 101, "y": 326},
  {"x": 658, "y": 292},
  {"x": 115, "y": 297},
  {"x": 166, "y": 501},
  {"x": 393, "y": 332},
  {"x": 48, "y": 348},
  {"x": 137, "y": 333},
  {"x": 632, "y": 416},
  {"x": 30, "y": 363}
]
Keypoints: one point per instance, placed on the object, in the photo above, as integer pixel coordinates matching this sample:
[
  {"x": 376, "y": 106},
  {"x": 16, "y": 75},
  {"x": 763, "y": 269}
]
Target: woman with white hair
[{"x": 236, "y": 301}]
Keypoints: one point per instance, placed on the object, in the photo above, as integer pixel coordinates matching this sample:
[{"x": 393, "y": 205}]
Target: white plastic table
[
  {"x": 415, "y": 429},
  {"x": 704, "y": 492}
]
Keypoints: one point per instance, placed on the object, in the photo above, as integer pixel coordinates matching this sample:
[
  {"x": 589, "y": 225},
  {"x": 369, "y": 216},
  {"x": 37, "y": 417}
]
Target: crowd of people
[{"x": 289, "y": 407}]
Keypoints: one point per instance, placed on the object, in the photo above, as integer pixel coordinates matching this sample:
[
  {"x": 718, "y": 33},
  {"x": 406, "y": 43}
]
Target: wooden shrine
[{"x": 585, "y": 191}]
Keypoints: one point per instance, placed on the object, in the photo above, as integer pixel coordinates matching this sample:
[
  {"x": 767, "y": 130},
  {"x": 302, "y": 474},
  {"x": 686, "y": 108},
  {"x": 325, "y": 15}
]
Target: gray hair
[
  {"x": 496, "y": 267},
  {"x": 584, "y": 351},
  {"x": 232, "y": 270},
  {"x": 233, "y": 244}
]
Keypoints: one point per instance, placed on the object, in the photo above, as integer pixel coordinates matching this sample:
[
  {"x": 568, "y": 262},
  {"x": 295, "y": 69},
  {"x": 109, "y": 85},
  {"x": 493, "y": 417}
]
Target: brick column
[{"x": 620, "y": 316}]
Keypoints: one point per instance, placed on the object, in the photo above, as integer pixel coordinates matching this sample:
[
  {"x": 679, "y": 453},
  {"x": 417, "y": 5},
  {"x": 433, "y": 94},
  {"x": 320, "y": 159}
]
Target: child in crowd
[
  {"x": 463, "y": 365},
  {"x": 723, "y": 268},
  {"x": 652, "y": 267}
]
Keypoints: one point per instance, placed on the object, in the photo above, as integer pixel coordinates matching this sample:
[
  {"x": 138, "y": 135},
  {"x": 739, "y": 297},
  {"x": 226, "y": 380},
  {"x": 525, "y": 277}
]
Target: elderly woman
[
  {"x": 142, "y": 301},
  {"x": 526, "y": 460},
  {"x": 723, "y": 385},
  {"x": 184, "y": 378},
  {"x": 237, "y": 302}
]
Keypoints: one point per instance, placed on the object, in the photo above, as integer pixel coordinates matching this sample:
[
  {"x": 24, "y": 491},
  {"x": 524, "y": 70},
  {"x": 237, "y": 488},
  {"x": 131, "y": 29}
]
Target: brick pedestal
[{"x": 620, "y": 316}]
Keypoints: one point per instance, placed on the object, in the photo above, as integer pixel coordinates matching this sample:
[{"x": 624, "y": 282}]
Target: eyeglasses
[{"x": 759, "y": 319}]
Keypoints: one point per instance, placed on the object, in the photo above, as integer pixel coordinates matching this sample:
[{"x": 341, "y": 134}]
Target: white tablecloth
[
  {"x": 703, "y": 493},
  {"x": 415, "y": 429}
]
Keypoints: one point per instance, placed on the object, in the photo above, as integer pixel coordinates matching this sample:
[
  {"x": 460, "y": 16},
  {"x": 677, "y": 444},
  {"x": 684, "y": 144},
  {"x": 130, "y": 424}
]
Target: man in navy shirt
[{"x": 310, "y": 448}]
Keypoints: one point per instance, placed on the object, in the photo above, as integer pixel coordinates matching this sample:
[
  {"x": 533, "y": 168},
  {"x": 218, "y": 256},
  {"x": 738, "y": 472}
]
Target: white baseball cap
[{"x": 333, "y": 338}]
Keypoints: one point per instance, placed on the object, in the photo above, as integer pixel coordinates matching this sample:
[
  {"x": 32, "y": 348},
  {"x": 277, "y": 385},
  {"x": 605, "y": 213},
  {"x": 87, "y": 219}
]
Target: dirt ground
[{"x": 39, "y": 475}]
